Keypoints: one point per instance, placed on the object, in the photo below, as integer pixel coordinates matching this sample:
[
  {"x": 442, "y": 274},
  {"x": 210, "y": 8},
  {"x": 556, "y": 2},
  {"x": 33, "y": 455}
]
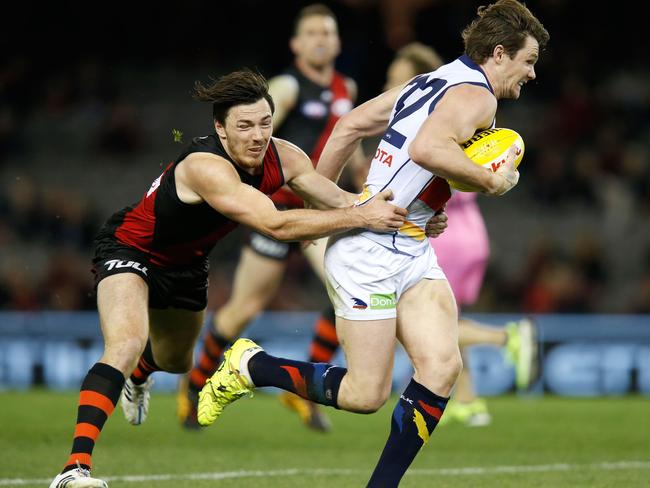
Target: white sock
[{"x": 243, "y": 364}]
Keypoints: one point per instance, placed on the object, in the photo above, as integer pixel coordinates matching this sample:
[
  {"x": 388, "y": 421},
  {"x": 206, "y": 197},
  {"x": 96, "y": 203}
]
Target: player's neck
[
  {"x": 493, "y": 78},
  {"x": 321, "y": 75}
]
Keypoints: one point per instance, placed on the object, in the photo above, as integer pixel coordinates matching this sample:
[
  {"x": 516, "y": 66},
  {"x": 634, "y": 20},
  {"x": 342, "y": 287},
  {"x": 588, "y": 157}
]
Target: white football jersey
[{"x": 418, "y": 190}]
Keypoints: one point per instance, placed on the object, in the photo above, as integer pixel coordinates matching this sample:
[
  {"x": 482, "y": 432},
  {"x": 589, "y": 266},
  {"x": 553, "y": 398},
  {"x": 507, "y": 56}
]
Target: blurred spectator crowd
[{"x": 82, "y": 138}]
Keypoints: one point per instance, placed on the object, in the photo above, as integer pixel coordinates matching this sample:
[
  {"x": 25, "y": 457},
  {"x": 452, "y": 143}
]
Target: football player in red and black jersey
[
  {"x": 151, "y": 258},
  {"x": 310, "y": 97}
]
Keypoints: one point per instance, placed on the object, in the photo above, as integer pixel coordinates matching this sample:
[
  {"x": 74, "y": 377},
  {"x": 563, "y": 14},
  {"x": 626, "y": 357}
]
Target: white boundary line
[{"x": 478, "y": 470}]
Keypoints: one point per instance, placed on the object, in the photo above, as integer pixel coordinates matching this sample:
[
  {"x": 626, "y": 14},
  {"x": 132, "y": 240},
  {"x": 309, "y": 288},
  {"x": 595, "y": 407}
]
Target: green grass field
[{"x": 532, "y": 442}]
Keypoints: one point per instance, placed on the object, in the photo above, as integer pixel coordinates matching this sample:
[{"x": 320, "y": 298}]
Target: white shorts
[{"x": 365, "y": 280}]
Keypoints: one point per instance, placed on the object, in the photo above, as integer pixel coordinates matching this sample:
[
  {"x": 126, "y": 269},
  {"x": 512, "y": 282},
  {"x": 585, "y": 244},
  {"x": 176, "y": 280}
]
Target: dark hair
[
  {"x": 505, "y": 22},
  {"x": 316, "y": 9},
  {"x": 241, "y": 87}
]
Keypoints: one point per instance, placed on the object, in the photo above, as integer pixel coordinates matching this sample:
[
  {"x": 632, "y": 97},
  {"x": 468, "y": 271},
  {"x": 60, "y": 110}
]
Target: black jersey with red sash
[
  {"x": 312, "y": 120},
  {"x": 173, "y": 233}
]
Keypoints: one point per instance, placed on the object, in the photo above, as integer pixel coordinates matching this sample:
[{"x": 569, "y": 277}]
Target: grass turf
[{"x": 548, "y": 441}]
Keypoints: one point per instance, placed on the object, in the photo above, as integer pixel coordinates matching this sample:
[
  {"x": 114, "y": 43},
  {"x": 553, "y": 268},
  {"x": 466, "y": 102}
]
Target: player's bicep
[
  {"x": 456, "y": 117},
  {"x": 246, "y": 205},
  {"x": 217, "y": 183},
  {"x": 462, "y": 111}
]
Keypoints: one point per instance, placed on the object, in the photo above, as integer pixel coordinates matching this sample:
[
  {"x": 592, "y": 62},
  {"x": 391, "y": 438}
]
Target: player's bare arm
[
  {"x": 462, "y": 111},
  {"x": 302, "y": 178},
  {"x": 284, "y": 91},
  {"x": 206, "y": 177},
  {"x": 366, "y": 120}
]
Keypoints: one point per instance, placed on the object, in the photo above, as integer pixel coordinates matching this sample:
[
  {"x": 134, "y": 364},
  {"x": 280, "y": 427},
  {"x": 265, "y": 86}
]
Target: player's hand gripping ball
[{"x": 489, "y": 148}]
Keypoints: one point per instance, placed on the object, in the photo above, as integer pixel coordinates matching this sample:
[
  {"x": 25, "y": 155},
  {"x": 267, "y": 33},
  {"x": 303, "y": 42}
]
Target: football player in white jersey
[
  {"x": 463, "y": 252},
  {"x": 388, "y": 286}
]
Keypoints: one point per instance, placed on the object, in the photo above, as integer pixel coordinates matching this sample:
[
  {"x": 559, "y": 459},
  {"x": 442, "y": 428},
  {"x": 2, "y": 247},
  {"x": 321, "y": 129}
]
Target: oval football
[{"x": 488, "y": 148}]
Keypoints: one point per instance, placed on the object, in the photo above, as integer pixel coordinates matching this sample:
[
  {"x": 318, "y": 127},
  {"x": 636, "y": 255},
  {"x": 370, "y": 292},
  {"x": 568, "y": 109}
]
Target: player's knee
[
  {"x": 441, "y": 369},
  {"x": 123, "y": 353},
  {"x": 450, "y": 364},
  {"x": 456, "y": 367},
  {"x": 129, "y": 346}
]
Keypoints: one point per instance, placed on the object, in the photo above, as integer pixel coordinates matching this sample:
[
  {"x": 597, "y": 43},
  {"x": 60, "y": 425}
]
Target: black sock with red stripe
[
  {"x": 325, "y": 343},
  {"x": 146, "y": 366},
  {"x": 209, "y": 359},
  {"x": 100, "y": 391},
  {"x": 318, "y": 382},
  {"x": 415, "y": 416}
]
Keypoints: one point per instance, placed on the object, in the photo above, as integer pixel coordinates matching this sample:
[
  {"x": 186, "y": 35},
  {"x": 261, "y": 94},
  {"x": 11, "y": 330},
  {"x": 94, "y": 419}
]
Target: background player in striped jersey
[
  {"x": 310, "y": 96},
  {"x": 389, "y": 287},
  {"x": 151, "y": 258},
  {"x": 463, "y": 254}
]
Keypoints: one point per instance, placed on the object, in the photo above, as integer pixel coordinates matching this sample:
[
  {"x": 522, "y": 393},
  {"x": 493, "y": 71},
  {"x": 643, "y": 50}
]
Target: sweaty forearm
[
  {"x": 323, "y": 194},
  {"x": 341, "y": 199},
  {"x": 306, "y": 224}
]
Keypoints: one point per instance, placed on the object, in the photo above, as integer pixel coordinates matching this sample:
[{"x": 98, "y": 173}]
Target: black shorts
[
  {"x": 183, "y": 287},
  {"x": 269, "y": 247}
]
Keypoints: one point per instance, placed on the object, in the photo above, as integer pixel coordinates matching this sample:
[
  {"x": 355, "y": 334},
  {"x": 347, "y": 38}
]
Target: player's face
[
  {"x": 317, "y": 41},
  {"x": 400, "y": 71},
  {"x": 247, "y": 132},
  {"x": 520, "y": 69}
]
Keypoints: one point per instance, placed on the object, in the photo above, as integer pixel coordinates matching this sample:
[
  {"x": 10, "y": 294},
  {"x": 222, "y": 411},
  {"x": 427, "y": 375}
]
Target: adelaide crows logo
[{"x": 359, "y": 304}]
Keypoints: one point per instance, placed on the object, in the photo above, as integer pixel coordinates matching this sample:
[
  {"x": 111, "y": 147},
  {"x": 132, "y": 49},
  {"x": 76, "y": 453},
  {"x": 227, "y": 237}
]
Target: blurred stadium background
[{"x": 88, "y": 103}]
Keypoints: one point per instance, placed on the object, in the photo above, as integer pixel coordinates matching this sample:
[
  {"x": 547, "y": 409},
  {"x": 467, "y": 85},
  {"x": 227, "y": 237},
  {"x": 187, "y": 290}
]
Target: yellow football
[{"x": 489, "y": 148}]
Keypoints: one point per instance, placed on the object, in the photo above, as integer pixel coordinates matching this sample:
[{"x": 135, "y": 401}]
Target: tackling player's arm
[
  {"x": 366, "y": 120},
  {"x": 284, "y": 91},
  {"x": 462, "y": 111},
  {"x": 206, "y": 177},
  {"x": 302, "y": 178}
]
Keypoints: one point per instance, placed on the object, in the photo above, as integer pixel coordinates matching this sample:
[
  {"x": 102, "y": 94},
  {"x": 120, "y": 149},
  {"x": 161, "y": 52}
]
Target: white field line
[{"x": 479, "y": 470}]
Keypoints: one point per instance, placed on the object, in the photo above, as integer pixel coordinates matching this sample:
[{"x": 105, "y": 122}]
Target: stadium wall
[{"x": 581, "y": 355}]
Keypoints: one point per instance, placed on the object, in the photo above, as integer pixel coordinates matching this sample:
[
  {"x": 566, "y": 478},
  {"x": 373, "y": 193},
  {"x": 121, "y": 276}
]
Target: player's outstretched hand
[
  {"x": 436, "y": 225},
  {"x": 508, "y": 171},
  {"x": 382, "y": 216}
]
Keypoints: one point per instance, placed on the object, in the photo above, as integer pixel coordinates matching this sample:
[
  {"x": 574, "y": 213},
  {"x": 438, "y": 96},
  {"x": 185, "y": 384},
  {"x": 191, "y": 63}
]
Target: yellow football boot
[{"x": 230, "y": 382}]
